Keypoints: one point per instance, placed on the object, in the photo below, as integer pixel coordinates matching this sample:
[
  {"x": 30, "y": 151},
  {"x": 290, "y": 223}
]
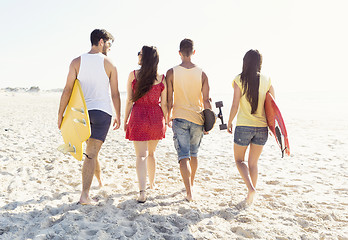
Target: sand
[{"x": 304, "y": 196}]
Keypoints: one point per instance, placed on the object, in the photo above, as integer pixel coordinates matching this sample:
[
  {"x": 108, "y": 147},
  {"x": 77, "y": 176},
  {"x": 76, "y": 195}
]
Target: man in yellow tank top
[{"x": 188, "y": 96}]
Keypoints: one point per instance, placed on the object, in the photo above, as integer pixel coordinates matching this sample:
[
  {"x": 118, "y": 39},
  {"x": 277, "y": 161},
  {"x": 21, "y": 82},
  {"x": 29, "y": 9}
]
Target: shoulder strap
[
  {"x": 162, "y": 78},
  {"x": 134, "y": 75}
]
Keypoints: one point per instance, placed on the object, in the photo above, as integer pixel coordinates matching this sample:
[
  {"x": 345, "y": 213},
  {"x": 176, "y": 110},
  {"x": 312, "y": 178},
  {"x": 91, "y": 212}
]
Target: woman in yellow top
[{"x": 250, "y": 88}]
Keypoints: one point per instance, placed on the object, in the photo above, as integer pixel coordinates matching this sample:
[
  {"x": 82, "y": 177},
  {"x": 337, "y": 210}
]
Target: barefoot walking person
[
  {"x": 146, "y": 115},
  {"x": 97, "y": 76},
  {"x": 188, "y": 96},
  {"x": 250, "y": 88}
]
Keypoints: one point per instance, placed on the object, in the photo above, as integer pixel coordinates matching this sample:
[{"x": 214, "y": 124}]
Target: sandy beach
[{"x": 304, "y": 196}]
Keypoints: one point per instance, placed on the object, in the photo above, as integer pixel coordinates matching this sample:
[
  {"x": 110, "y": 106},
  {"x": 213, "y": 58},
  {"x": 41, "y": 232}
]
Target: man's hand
[
  {"x": 116, "y": 124},
  {"x": 60, "y": 120},
  {"x": 170, "y": 123}
]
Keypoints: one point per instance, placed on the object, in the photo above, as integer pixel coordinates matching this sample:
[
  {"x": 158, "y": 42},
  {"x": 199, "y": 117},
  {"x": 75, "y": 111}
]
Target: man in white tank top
[
  {"x": 98, "y": 77},
  {"x": 188, "y": 86}
]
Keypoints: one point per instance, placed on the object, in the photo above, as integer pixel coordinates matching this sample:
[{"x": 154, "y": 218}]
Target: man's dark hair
[
  {"x": 98, "y": 34},
  {"x": 186, "y": 47}
]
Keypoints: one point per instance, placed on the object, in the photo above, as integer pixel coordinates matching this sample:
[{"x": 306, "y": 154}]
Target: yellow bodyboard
[{"x": 75, "y": 127}]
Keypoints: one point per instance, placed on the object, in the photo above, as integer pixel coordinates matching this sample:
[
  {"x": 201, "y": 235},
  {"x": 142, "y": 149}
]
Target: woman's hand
[
  {"x": 125, "y": 125},
  {"x": 229, "y": 128}
]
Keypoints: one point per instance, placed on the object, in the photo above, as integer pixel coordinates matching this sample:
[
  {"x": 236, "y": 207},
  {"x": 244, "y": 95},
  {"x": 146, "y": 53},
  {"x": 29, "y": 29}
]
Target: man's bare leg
[
  {"x": 194, "y": 166},
  {"x": 97, "y": 173},
  {"x": 185, "y": 171},
  {"x": 88, "y": 168}
]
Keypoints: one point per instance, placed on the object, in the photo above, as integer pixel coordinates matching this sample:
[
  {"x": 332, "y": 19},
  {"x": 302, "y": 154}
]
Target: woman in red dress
[{"x": 146, "y": 115}]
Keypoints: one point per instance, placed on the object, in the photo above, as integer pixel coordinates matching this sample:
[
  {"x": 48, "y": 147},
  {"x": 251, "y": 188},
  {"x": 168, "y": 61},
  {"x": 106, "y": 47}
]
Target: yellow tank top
[
  {"x": 244, "y": 117},
  {"x": 188, "y": 99}
]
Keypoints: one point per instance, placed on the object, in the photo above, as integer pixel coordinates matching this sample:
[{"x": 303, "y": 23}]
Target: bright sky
[{"x": 303, "y": 42}]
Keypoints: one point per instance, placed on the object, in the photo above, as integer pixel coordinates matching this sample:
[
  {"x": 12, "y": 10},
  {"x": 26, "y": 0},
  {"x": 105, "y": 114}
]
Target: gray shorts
[
  {"x": 100, "y": 124},
  {"x": 244, "y": 135}
]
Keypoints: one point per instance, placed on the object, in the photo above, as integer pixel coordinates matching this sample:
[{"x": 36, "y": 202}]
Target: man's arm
[
  {"x": 205, "y": 91},
  {"x": 115, "y": 94},
  {"x": 169, "y": 81},
  {"x": 164, "y": 102},
  {"x": 64, "y": 99}
]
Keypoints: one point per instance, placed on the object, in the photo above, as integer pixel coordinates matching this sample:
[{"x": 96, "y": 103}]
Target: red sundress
[{"x": 146, "y": 121}]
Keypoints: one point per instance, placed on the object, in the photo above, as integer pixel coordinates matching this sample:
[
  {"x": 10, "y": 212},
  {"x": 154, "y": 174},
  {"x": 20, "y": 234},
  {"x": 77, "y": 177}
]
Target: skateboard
[{"x": 219, "y": 105}]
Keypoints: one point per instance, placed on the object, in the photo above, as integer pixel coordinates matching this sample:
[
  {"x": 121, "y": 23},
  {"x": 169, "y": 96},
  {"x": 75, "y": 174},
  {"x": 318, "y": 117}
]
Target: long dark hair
[
  {"x": 250, "y": 77},
  {"x": 147, "y": 73}
]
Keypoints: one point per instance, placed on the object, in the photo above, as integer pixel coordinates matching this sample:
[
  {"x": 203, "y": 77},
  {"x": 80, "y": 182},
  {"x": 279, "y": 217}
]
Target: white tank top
[{"x": 95, "y": 83}]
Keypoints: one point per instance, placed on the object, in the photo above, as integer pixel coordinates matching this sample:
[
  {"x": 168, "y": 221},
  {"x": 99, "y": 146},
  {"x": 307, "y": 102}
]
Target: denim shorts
[
  {"x": 100, "y": 124},
  {"x": 244, "y": 135},
  {"x": 187, "y": 138}
]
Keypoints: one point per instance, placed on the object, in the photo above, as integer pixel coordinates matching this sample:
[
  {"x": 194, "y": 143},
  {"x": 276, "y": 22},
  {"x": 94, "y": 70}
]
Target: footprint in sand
[
  {"x": 272, "y": 182},
  {"x": 206, "y": 178},
  {"x": 244, "y": 219},
  {"x": 183, "y": 210},
  {"x": 226, "y": 214},
  {"x": 193, "y": 216},
  {"x": 91, "y": 232},
  {"x": 219, "y": 190},
  {"x": 267, "y": 196},
  {"x": 243, "y": 232},
  {"x": 303, "y": 223},
  {"x": 208, "y": 172},
  {"x": 309, "y": 205},
  {"x": 49, "y": 167},
  {"x": 164, "y": 228}
]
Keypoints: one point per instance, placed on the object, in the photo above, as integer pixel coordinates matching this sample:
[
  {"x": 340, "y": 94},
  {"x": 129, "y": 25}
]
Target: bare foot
[
  {"x": 142, "y": 196},
  {"x": 87, "y": 201},
  {"x": 153, "y": 186},
  {"x": 189, "y": 198},
  {"x": 250, "y": 198},
  {"x": 189, "y": 194}
]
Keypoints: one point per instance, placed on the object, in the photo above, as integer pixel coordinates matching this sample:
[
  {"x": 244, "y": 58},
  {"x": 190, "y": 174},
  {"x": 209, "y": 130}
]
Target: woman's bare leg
[
  {"x": 151, "y": 161},
  {"x": 140, "y": 151}
]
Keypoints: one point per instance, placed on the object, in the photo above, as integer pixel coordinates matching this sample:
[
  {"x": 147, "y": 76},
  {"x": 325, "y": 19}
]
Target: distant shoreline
[
  {"x": 31, "y": 89},
  {"x": 34, "y": 89}
]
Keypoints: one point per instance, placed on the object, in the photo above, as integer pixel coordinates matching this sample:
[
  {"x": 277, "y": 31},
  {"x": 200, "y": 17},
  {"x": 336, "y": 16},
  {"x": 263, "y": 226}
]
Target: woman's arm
[
  {"x": 237, "y": 93},
  {"x": 129, "y": 102}
]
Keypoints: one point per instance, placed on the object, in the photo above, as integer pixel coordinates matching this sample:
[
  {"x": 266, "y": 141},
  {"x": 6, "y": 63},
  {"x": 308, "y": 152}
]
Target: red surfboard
[{"x": 276, "y": 124}]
